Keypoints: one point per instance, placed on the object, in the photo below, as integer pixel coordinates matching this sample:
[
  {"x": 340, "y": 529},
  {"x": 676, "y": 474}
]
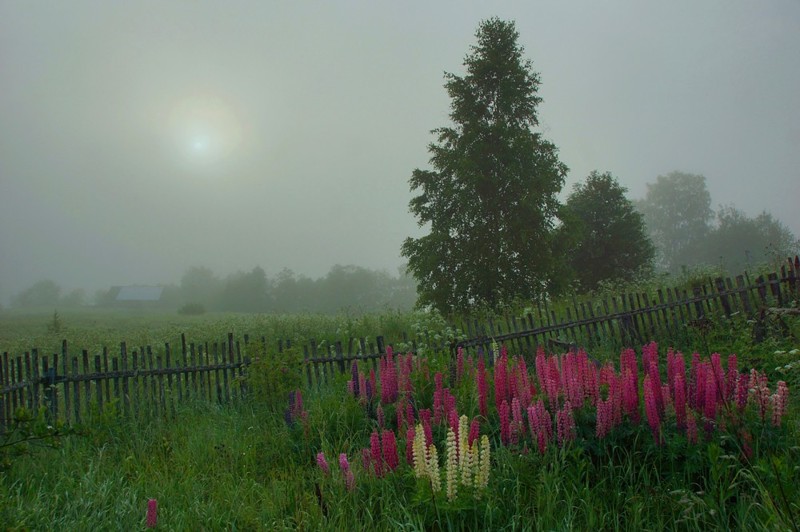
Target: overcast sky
[{"x": 138, "y": 139}]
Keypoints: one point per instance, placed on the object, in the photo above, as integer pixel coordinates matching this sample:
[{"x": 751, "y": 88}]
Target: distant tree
[
  {"x": 247, "y": 292},
  {"x": 76, "y": 298},
  {"x": 294, "y": 293},
  {"x": 490, "y": 200},
  {"x": 609, "y": 234},
  {"x": 42, "y": 293},
  {"x": 739, "y": 243},
  {"x": 677, "y": 211},
  {"x": 200, "y": 285}
]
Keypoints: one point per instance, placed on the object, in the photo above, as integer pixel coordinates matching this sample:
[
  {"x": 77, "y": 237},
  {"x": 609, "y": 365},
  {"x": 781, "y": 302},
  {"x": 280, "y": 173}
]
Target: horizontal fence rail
[{"x": 147, "y": 381}]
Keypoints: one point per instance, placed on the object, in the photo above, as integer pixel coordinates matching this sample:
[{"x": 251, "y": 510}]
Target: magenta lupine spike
[
  {"x": 323, "y": 463},
  {"x": 603, "y": 426},
  {"x": 691, "y": 426},
  {"x": 565, "y": 424},
  {"x": 460, "y": 364},
  {"x": 630, "y": 395},
  {"x": 731, "y": 377},
  {"x": 779, "y": 401},
  {"x": 400, "y": 412},
  {"x": 517, "y": 421},
  {"x": 410, "y": 435},
  {"x": 425, "y": 417},
  {"x": 410, "y": 414},
  {"x": 500, "y": 381},
  {"x": 375, "y": 453},
  {"x": 679, "y": 401},
  {"x": 373, "y": 386},
  {"x": 694, "y": 381},
  {"x": 349, "y": 478},
  {"x": 438, "y": 399},
  {"x": 676, "y": 367},
  {"x": 541, "y": 368},
  {"x": 742, "y": 389},
  {"x": 710, "y": 403},
  {"x": 449, "y": 403},
  {"x": 483, "y": 389},
  {"x": 719, "y": 375},
  {"x": 389, "y": 449},
  {"x": 151, "y": 518},
  {"x": 651, "y": 409},
  {"x": 505, "y": 422},
  {"x": 474, "y": 431},
  {"x": 452, "y": 422},
  {"x": 552, "y": 382},
  {"x": 381, "y": 417},
  {"x": 362, "y": 387},
  {"x": 698, "y": 397}
]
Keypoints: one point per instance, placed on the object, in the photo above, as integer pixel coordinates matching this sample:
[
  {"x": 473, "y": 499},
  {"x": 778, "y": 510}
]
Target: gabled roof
[{"x": 139, "y": 293}]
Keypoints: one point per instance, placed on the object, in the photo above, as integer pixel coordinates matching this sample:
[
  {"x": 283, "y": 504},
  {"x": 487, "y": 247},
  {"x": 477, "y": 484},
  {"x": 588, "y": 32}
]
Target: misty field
[{"x": 645, "y": 439}]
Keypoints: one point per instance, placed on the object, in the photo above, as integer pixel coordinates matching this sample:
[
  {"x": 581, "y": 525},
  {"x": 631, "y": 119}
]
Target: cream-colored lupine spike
[
  {"x": 463, "y": 437},
  {"x": 467, "y": 466},
  {"x": 485, "y": 459},
  {"x": 451, "y": 466},
  {"x": 433, "y": 469},
  {"x": 419, "y": 454}
]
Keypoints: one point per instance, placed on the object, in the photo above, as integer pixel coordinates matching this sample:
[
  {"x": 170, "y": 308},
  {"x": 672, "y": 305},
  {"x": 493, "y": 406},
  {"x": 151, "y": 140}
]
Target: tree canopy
[
  {"x": 677, "y": 211},
  {"x": 609, "y": 235},
  {"x": 490, "y": 198}
]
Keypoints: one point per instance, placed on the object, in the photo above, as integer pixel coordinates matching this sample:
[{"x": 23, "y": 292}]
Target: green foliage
[
  {"x": 272, "y": 376},
  {"x": 609, "y": 235},
  {"x": 56, "y": 326},
  {"x": 490, "y": 199},
  {"x": 677, "y": 210},
  {"x": 28, "y": 431}
]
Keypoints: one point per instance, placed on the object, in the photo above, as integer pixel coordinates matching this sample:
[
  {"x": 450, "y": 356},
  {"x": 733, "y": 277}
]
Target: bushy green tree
[
  {"x": 738, "y": 242},
  {"x": 609, "y": 235},
  {"x": 677, "y": 211},
  {"x": 490, "y": 200}
]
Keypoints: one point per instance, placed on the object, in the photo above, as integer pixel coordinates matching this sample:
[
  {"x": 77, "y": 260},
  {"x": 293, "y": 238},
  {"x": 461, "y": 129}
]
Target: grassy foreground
[{"x": 256, "y": 464}]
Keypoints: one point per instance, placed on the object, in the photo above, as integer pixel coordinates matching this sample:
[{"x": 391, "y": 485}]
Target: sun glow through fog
[{"x": 204, "y": 131}]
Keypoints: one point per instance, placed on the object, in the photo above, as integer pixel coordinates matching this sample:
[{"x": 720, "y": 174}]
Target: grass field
[{"x": 255, "y": 464}]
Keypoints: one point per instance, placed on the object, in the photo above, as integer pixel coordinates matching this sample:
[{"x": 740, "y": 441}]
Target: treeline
[
  {"x": 688, "y": 233},
  {"x": 351, "y": 288},
  {"x": 343, "y": 288}
]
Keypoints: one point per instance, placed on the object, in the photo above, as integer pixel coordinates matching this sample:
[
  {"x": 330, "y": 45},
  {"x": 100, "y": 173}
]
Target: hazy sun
[{"x": 203, "y": 130}]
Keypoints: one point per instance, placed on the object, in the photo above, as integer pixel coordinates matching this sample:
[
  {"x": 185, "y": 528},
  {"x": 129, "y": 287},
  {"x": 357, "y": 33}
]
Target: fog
[{"x": 139, "y": 139}]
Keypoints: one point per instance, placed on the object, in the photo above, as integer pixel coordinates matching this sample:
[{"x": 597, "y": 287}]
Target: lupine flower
[
  {"x": 651, "y": 408},
  {"x": 349, "y": 478},
  {"x": 484, "y": 464},
  {"x": 679, "y": 401},
  {"x": 375, "y": 453},
  {"x": 451, "y": 466},
  {"x": 779, "y": 401},
  {"x": 505, "y": 423},
  {"x": 389, "y": 449},
  {"x": 152, "y": 513},
  {"x": 323, "y": 463},
  {"x": 459, "y": 363},
  {"x": 732, "y": 377},
  {"x": 500, "y": 381},
  {"x": 603, "y": 426},
  {"x": 432, "y": 468},
  {"x": 425, "y": 416},
  {"x": 411, "y": 435},
  {"x": 474, "y": 431},
  {"x": 565, "y": 424},
  {"x": 419, "y": 453},
  {"x": 518, "y": 424},
  {"x": 691, "y": 427}
]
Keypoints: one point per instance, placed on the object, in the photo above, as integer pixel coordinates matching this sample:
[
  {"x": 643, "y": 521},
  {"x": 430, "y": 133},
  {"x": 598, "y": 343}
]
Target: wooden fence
[
  {"x": 73, "y": 388},
  {"x": 635, "y": 318},
  {"x": 145, "y": 380}
]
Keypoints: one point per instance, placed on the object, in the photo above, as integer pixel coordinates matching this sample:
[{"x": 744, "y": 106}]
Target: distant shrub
[{"x": 192, "y": 309}]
